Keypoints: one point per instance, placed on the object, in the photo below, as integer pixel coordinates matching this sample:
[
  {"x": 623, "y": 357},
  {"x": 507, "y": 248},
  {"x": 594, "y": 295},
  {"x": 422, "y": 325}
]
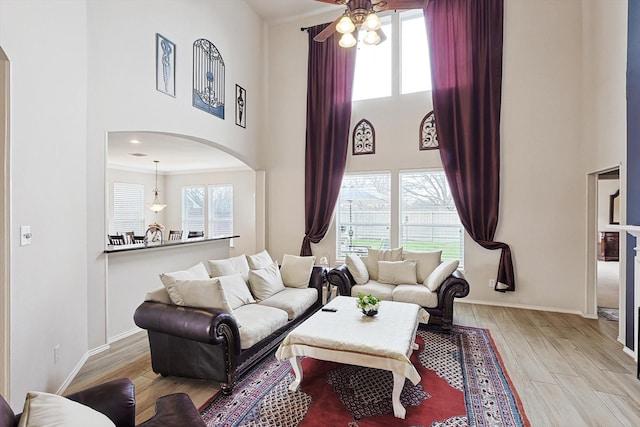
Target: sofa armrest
[
  {"x": 116, "y": 399},
  {"x": 454, "y": 286},
  {"x": 317, "y": 279},
  {"x": 205, "y": 325},
  {"x": 341, "y": 278},
  {"x": 174, "y": 410}
]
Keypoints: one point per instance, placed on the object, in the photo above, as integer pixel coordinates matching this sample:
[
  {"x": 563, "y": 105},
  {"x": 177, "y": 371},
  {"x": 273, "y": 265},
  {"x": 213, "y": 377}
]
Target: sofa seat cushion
[
  {"x": 384, "y": 291},
  {"x": 294, "y": 301},
  {"x": 258, "y": 322},
  {"x": 416, "y": 294}
]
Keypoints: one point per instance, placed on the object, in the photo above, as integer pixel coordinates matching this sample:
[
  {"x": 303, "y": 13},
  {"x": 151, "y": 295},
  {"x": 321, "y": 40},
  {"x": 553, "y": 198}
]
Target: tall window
[
  {"x": 220, "y": 210},
  {"x": 128, "y": 208},
  {"x": 414, "y": 53},
  {"x": 428, "y": 217},
  {"x": 363, "y": 218},
  {"x": 193, "y": 208},
  {"x": 368, "y": 84}
]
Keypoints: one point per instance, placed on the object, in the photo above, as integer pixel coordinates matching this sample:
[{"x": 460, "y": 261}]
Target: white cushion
[
  {"x": 265, "y": 282},
  {"x": 384, "y": 291},
  {"x": 357, "y": 268},
  {"x": 296, "y": 270},
  {"x": 420, "y": 295},
  {"x": 444, "y": 270},
  {"x": 294, "y": 301},
  {"x": 397, "y": 272},
  {"x": 426, "y": 262},
  {"x": 51, "y": 410},
  {"x": 229, "y": 266},
  {"x": 207, "y": 293},
  {"x": 236, "y": 290},
  {"x": 375, "y": 255},
  {"x": 158, "y": 295},
  {"x": 197, "y": 272},
  {"x": 259, "y": 321},
  {"x": 259, "y": 260}
]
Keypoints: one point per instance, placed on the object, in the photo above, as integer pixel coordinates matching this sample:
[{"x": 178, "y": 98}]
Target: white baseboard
[
  {"x": 123, "y": 335},
  {"x": 73, "y": 374},
  {"x": 630, "y": 352},
  {"x": 523, "y": 306}
]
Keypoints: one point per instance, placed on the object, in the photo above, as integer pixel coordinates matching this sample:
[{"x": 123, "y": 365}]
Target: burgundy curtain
[
  {"x": 465, "y": 45},
  {"x": 329, "y": 84}
]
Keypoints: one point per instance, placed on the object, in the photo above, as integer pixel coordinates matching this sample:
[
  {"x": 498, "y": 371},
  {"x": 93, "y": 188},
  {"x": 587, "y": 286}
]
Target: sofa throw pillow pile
[
  {"x": 46, "y": 409},
  {"x": 201, "y": 293},
  {"x": 296, "y": 270},
  {"x": 444, "y": 270},
  {"x": 236, "y": 290},
  {"x": 426, "y": 262},
  {"x": 357, "y": 268},
  {"x": 265, "y": 282},
  {"x": 375, "y": 255},
  {"x": 197, "y": 272},
  {"x": 229, "y": 266},
  {"x": 259, "y": 260},
  {"x": 397, "y": 272}
]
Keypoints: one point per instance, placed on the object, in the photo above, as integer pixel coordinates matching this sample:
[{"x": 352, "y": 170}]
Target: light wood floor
[{"x": 567, "y": 370}]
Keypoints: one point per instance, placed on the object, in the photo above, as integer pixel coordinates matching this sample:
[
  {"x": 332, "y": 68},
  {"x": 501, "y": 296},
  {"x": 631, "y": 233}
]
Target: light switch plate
[{"x": 25, "y": 235}]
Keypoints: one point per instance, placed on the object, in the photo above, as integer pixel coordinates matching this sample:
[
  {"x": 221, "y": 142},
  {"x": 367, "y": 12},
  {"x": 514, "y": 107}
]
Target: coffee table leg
[
  {"x": 297, "y": 369},
  {"x": 398, "y": 384}
]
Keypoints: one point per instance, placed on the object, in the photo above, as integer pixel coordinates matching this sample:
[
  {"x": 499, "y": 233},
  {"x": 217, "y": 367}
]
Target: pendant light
[{"x": 156, "y": 206}]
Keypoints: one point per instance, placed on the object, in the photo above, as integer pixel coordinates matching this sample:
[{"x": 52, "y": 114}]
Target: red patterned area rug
[{"x": 464, "y": 383}]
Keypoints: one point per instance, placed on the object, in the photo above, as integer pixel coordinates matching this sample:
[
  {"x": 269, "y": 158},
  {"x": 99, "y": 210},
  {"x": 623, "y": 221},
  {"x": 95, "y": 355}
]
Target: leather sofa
[
  {"x": 441, "y": 313},
  {"x": 205, "y": 343},
  {"x": 116, "y": 400}
]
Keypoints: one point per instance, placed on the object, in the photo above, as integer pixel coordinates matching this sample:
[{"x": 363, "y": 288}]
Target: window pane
[
  {"x": 428, "y": 217},
  {"x": 193, "y": 209},
  {"x": 128, "y": 208},
  {"x": 363, "y": 218},
  {"x": 372, "y": 77},
  {"x": 220, "y": 210},
  {"x": 416, "y": 71}
]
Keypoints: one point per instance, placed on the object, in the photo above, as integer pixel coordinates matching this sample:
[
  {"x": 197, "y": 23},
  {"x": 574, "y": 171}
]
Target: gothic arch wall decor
[
  {"x": 364, "y": 138},
  {"x": 428, "y": 135},
  {"x": 208, "y": 78}
]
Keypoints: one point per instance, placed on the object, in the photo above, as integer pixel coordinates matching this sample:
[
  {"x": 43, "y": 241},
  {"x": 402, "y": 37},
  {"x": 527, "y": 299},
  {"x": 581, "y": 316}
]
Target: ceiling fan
[{"x": 362, "y": 14}]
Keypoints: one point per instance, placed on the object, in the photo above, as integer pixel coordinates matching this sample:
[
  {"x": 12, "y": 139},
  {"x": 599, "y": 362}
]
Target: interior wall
[
  {"x": 47, "y": 44},
  {"x": 5, "y": 297}
]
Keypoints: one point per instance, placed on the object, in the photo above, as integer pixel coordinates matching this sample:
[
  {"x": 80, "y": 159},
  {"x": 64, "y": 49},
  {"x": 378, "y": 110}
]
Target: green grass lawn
[{"x": 449, "y": 250}]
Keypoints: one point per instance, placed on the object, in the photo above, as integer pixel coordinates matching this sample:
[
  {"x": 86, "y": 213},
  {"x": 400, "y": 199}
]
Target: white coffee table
[{"x": 347, "y": 336}]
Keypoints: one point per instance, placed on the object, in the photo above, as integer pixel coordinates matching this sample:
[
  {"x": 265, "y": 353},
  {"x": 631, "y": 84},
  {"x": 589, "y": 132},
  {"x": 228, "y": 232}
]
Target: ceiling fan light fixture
[
  {"x": 372, "y": 22},
  {"x": 372, "y": 38},
  {"x": 347, "y": 40},
  {"x": 345, "y": 25}
]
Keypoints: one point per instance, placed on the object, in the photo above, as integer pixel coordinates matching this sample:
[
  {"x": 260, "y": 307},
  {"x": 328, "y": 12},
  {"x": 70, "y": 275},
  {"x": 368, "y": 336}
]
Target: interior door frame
[{"x": 5, "y": 238}]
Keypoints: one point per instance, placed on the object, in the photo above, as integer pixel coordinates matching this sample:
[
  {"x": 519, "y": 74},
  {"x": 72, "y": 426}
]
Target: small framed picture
[
  {"x": 241, "y": 106},
  {"x": 165, "y": 65}
]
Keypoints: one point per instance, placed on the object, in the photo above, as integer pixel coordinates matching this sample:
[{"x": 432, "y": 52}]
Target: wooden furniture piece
[
  {"x": 347, "y": 336},
  {"x": 116, "y": 239},
  {"x": 193, "y": 234},
  {"x": 609, "y": 246},
  {"x": 175, "y": 235}
]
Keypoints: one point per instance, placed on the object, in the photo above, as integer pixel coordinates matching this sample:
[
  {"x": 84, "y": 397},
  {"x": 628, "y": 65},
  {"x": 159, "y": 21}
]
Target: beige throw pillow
[
  {"x": 229, "y": 266},
  {"x": 259, "y": 260},
  {"x": 197, "y": 272},
  {"x": 444, "y": 270},
  {"x": 375, "y": 255},
  {"x": 265, "y": 282},
  {"x": 236, "y": 290},
  {"x": 46, "y": 409},
  {"x": 426, "y": 262},
  {"x": 397, "y": 272},
  {"x": 202, "y": 293},
  {"x": 357, "y": 268},
  {"x": 296, "y": 270}
]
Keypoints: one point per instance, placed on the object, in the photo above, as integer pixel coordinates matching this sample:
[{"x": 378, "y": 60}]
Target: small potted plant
[{"x": 368, "y": 304}]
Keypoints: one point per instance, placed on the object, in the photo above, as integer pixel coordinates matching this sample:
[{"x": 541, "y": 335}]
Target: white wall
[
  {"x": 46, "y": 43},
  {"x": 543, "y": 197}
]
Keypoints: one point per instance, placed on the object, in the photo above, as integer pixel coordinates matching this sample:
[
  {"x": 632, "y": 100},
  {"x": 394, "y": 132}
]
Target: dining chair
[
  {"x": 175, "y": 234},
  {"x": 116, "y": 240},
  {"x": 128, "y": 237},
  {"x": 193, "y": 234},
  {"x": 137, "y": 239}
]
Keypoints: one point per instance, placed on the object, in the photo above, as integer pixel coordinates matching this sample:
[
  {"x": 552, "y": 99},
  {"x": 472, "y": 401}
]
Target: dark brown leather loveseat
[{"x": 205, "y": 343}]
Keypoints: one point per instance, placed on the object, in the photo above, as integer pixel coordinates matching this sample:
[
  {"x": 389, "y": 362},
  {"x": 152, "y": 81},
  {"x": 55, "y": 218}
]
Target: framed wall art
[
  {"x": 241, "y": 103},
  {"x": 208, "y": 78},
  {"x": 165, "y": 65},
  {"x": 428, "y": 134},
  {"x": 364, "y": 138}
]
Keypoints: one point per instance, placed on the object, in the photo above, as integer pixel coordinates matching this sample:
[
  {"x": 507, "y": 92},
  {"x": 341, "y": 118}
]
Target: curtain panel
[
  {"x": 465, "y": 45},
  {"x": 329, "y": 88}
]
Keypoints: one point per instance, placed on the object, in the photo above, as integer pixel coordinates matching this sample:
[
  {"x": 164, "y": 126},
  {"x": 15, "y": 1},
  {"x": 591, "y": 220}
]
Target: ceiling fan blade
[
  {"x": 404, "y": 4},
  {"x": 327, "y": 32},
  {"x": 339, "y": 2}
]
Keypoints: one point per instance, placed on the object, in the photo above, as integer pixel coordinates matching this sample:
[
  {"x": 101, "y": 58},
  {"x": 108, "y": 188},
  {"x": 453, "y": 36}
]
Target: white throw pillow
[
  {"x": 197, "y": 272},
  {"x": 397, "y": 272},
  {"x": 426, "y": 262},
  {"x": 259, "y": 260},
  {"x": 202, "y": 293},
  {"x": 265, "y": 282},
  {"x": 229, "y": 266},
  {"x": 51, "y": 410},
  {"x": 296, "y": 270},
  {"x": 357, "y": 268},
  {"x": 236, "y": 290},
  {"x": 375, "y": 255},
  {"x": 444, "y": 270}
]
